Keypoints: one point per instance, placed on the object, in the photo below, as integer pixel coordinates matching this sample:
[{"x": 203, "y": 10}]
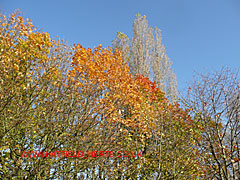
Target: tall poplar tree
[{"x": 147, "y": 55}]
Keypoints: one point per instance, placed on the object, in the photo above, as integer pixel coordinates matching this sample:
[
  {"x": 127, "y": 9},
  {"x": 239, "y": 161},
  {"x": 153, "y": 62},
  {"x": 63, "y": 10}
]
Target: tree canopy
[{"x": 55, "y": 97}]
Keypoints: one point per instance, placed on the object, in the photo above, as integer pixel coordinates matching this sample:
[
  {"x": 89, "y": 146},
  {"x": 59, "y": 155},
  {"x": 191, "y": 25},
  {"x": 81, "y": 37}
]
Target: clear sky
[{"x": 198, "y": 35}]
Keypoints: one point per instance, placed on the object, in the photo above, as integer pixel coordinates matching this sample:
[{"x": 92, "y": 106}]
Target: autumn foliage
[{"x": 53, "y": 97}]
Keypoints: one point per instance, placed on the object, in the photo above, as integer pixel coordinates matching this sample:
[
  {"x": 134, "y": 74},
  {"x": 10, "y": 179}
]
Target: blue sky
[{"x": 199, "y": 35}]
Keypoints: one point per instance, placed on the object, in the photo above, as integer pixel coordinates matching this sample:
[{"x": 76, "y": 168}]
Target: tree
[
  {"x": 138, "y": 117},
  {"x": 147, "y": 55},
  {"x": 32, "y": 96},
  {"x": 214, "y": 100}
]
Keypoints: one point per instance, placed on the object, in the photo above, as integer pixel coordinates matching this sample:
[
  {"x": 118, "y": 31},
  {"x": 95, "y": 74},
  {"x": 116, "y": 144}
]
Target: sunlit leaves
[
  {"x": 141, "y": 109},
  {"x": 53, "y": 97}
]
